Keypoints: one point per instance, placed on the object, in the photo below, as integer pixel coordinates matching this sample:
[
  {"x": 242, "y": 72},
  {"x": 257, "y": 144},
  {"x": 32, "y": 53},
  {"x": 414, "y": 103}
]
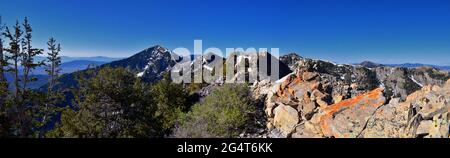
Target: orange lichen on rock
[
  {"x": 297, "y": 80},
  {"x": 347, "y": 118}
]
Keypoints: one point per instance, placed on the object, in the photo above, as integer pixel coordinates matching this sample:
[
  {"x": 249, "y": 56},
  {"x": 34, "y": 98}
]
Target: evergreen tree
[
  {"x": 14, "y": 54},
  {"x": 24, "y": 103},
  {"x": 171, "y": 102},
  {"x": 13, "y": 57},
  {"x": 54, "y": 62},
  {"x": 28, "y": 55},
  {"x": 53, "y": 96},
  {"x": 113, "y": 103},
  {"x": 3, "y": 81},
  {"x": 3, "y": 88}
]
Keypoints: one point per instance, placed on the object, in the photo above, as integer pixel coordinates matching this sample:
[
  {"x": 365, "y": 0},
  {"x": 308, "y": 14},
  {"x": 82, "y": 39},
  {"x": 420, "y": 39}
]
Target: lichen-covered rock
[
  {"x": 307, "y": 130},
  {"x": 431, "y": 103},
  {"x": 348, "y": 118},
  {"x": 440, "y": 126},
  {"x": 388, "y": 121},
  {"x": 286, "y": 118},
  {"x": 423, "y": 114},
  {"x": 334, "y": 100}
]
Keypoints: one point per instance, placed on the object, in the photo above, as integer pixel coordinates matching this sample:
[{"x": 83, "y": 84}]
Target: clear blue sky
[{"x": 344, "y": 31}]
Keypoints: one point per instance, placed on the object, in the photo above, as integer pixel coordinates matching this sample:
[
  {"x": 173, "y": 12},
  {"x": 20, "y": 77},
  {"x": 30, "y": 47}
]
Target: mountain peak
[
  {"x": 369, "y": 64},
  {"x": 291, "y": 59}
]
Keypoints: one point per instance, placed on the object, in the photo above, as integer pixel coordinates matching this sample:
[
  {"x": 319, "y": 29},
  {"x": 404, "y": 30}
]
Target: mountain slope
[{"x": 150, "y": 64}]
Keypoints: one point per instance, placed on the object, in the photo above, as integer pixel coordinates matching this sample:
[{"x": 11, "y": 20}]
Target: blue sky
[{"x": 344, "y": 31}]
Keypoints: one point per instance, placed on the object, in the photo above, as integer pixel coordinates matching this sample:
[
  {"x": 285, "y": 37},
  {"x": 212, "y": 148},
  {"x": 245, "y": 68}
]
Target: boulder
[
  {"x": 309, "y": 76},
  {"x": 307, "y": 109},
  {"x": 388, "y": 121},
  {"x": 348, "y": 118},
  {"x": 440, "y": 126},
  {"x": 286, "y": 118},
  {"x": 307, "y": 130},
  {"x": 424, "y": 127}
]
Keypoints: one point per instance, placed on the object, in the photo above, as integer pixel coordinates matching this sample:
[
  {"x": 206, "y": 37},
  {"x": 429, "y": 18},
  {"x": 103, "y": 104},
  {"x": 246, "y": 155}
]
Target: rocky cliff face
[{"x": 322, "y": 99}]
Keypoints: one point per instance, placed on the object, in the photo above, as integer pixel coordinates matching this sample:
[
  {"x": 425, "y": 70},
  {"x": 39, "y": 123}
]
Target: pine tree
[
  {"x": 3, "y": 88},
  {"x": 21, "y": 54},
  {"x": 53, "y": 67},
  {"x": 28, "y": 55},
  {"x": 3, "y": 81},
  {"x": 14, "y": 54},
  {"x": 112, "y": 103},
  {"x": 171, "y": 101},
  {"x": 53, "y": 96}
]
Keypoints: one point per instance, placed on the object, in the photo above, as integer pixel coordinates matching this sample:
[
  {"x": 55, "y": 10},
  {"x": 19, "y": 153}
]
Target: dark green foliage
[
  {"x": 23, "y": 112},
  {"x": 410, "y": 86},
  {"x": 49, "y": 109},
  {"x": 14, "y": 54},
  {"x": 3, "y": 81},
  {"x": 171, "y": 101},
  {"x": 114, "y": 103},
  {"x": 54, "y": 62},
  {"x": 224, "y": 114}
]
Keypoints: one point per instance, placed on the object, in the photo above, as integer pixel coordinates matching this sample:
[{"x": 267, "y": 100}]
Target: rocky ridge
[{"x": 322, "y": 99}]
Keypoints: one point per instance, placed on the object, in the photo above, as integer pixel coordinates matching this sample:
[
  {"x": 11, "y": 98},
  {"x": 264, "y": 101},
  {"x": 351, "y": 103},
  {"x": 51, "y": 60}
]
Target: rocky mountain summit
[
  {"x": 322, "y": 99},
  {"x": 149, "y": 64}
]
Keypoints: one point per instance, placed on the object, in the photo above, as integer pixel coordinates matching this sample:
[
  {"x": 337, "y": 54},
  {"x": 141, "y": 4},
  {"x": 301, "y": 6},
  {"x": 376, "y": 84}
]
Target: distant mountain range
[
  {"x": 370, "y": 64},
  {"x": 65, "y": 59},
  {"x": 68, "y": 65},
  {"x": 71, "y": 66},
  {"x": 416, "y": 65}
]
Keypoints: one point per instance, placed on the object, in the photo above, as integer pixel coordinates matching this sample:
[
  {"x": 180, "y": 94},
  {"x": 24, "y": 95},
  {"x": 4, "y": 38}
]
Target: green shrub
[{"x": 223, "y": 114}]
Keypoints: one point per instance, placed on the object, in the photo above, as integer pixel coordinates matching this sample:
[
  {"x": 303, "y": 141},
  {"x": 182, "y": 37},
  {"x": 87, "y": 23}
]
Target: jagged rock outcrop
[
  {"x": 356, "y": 102},
  {"x": 247, "y": 65},
  {"x": 348, "y": 118},
  {"x": 389, "y": 121},
  {"x": 425, "y": 113},
  {"x": 200, "y": 67},
  {"x": 310, "y": 90}
]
